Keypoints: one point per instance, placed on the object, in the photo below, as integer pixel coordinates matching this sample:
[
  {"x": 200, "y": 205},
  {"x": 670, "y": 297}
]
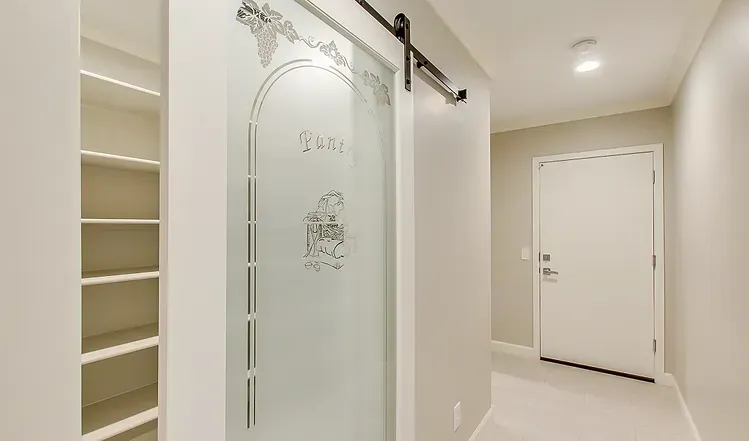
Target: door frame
[{"x": 658, "y": 243}]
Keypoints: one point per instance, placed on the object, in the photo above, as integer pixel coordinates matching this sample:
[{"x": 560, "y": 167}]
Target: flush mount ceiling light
[
  {"x": 587, "y": 59},
  {"x": 587, "y": 66}
]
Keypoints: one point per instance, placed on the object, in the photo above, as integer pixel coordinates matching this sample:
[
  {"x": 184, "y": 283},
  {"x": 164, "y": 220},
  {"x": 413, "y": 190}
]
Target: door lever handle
[{"x": 549, "y": 272}]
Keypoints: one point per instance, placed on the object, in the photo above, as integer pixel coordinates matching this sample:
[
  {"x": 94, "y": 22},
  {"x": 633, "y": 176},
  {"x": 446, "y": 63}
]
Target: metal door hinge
[
  {"x": 655, "y": 346},
  {"x": 655, "y": 261},
  {"x": 653, "y": 176}
]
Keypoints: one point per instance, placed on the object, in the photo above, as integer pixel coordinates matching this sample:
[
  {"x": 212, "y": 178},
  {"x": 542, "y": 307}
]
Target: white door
[
  {"x": 596, "y": 244},
  {"x": 315, "y": 89}
]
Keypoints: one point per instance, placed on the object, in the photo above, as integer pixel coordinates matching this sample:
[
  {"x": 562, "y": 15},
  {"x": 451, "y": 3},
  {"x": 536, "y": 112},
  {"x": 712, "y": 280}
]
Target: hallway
[{"x": 536, "y": 401}]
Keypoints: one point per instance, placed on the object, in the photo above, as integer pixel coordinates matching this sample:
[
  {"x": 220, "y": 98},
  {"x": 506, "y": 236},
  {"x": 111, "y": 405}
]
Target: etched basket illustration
[{"x": 326, "y": 233}]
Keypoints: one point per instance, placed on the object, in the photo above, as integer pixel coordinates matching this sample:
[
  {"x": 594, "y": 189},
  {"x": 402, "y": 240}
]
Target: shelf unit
[{"x": 120, "y": 205}]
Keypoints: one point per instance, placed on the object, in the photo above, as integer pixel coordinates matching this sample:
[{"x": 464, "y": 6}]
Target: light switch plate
[{"x": 525, "y": 253}]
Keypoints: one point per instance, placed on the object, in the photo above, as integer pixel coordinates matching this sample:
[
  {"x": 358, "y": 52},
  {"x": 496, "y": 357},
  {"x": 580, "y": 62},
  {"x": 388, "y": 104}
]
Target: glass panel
[{"x": 311, "y": 119}]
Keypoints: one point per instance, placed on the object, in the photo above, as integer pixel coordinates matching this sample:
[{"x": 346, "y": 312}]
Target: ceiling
[{"x": 525, "y": 46}]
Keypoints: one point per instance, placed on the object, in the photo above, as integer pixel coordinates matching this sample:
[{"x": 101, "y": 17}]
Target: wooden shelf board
[
  {"x": 118, "y": 276},
  {"x": 119, "y": 221},
  {"x": 119, "y": 414},
  {"x": 108, "y": 160},
  {"x": 101, "y": 90},
  {"x": 115, "y": 344}
]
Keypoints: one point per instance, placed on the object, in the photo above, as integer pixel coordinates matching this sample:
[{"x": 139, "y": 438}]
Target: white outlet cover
[{"x": 456, "y": 417}]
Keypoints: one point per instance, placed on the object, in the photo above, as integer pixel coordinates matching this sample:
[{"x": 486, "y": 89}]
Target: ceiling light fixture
[
  {"x": 587, "y": 66},
  {"x": 587, "y": 59}
]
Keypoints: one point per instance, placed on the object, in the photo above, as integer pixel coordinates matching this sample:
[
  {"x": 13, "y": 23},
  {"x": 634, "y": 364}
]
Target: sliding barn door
[{"x": 312, "y": 142}]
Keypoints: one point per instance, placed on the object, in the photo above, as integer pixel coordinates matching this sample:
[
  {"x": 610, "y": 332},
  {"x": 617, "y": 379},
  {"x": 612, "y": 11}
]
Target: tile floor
[{"x": 537, "y": 401}]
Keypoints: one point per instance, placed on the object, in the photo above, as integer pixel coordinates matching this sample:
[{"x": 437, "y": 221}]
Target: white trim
[
  {"x": 668, "y": 380},
  {"x": 671, "y": 381},
  {"x": 482, "y": 424},
  {"x": 658, "y": 245},
  {"x": 405, "y": 250},
  {"x": 501, "y": 347}
]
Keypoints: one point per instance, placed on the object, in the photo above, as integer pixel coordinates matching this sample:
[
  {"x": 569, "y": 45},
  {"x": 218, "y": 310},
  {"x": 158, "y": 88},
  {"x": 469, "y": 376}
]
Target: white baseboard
[
  {"x": 483, "y": 424},
  {"x": 685, "y": 410},
  {"x": 509, "y": 348},
  {"x": 666, "y": 380}
]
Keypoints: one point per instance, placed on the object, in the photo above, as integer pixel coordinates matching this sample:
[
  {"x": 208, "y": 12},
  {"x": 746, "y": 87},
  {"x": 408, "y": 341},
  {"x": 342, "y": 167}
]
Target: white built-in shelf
[
  {"x": 150, "y": 436},
  {"x": 124, "y": 425},
  {"x": 101, "y": 90},
  {"x": 119, "y": 221},
  {"x": 109, "y": 160},
  {"x": 114, "y": 344},
  {"x": 117, "y": 415},
  {"x": 119, "y": 276}
]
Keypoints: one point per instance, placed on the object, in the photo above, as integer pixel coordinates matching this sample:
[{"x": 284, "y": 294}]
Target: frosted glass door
[{"x": 311, "y": 109}]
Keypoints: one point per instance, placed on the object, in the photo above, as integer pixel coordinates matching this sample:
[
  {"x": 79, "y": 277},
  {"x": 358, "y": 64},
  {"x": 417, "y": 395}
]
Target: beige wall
[
  {"x": 711, "y": 134},
  {"x": 453, "y": 233},
  {"x": 512, "y": 216}
]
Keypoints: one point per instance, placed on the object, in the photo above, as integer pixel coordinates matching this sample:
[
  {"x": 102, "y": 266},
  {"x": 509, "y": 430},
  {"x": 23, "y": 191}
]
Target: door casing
[{"x": 658, "y": 238}]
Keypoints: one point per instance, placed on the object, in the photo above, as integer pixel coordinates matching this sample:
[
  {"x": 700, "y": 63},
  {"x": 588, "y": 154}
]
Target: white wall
[
  {"x": 453, "y": 233},
  {"x": 193, "y": 338},
  {"x": 711, "y": 134},
  {"x": 512, "y": 215},
  {"x": 40, "y": 262}
]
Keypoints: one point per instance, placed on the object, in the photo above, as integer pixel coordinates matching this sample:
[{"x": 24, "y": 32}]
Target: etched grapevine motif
[
  {"x": 266, "y": 45},
  {"x": 380, "y": 89},
  {"x": 266, "y": 24}
]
